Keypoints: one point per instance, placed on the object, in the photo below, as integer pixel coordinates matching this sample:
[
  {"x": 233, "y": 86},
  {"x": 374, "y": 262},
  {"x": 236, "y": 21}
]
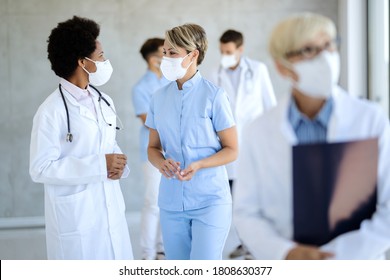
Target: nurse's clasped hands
[
  {"x": 189, "y": 172},
  {"x": 115, "y": 165},
  {"x": 171, "y": 169}
]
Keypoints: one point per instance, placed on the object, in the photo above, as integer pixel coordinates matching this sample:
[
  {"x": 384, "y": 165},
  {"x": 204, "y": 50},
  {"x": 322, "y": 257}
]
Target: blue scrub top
[
  {"x": 187, "y": 121},
  {"x": 141, "y": 95}
]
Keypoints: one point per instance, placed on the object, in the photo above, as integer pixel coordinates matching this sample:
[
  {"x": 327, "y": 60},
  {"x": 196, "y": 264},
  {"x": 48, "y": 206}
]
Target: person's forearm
[
  {"x": 155, "y": 157},
  {"x": 224, "y": 156}
]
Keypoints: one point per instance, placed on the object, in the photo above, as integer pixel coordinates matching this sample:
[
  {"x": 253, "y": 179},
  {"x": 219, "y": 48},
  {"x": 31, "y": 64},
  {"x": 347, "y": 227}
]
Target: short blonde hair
[
  {"x": 291, "y": 33},
  {"x": 190, "y": 37}
]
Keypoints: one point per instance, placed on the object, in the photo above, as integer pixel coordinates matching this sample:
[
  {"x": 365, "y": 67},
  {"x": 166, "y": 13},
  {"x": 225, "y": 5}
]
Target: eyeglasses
[{"x": 309, "y": 52}]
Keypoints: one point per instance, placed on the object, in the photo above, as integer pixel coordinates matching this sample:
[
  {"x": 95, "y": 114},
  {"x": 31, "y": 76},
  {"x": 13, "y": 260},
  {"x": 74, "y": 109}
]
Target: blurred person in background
[
  {"x": 317, "y": 110},
  {"x": 250, "y": 92},
  {"x": 151, "y": 239}
]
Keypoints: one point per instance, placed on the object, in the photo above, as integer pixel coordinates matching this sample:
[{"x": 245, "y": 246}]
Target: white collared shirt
[{"x": 82, "y": 96}]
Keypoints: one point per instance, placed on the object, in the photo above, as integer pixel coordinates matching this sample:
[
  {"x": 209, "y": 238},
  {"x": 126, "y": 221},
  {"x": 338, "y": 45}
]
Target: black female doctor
[{"x": 74, "y": 153}]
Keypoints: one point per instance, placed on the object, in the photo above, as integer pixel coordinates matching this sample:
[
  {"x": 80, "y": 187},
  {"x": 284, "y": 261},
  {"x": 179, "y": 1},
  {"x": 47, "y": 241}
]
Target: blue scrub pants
[{"x": 196, "y": 234}]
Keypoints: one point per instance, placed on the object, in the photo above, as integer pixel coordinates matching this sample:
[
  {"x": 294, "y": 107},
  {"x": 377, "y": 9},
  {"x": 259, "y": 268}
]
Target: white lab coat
[
  {"x": 84, "y": 210},
  {"x": 254, "y": 95},
  {"x": 263, "y": 194}
]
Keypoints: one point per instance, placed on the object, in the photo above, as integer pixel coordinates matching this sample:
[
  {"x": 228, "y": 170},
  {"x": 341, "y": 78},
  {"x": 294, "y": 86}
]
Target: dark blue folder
[{"x": 334, "y": 188}]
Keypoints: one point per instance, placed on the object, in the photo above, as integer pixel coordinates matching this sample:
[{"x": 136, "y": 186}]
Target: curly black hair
[{"x": 69, "y": 41}]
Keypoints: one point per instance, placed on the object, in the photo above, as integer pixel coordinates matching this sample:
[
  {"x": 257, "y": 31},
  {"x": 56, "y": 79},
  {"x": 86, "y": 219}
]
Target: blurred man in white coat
[
  {"x": 304, "y": 49},
  {"x": 250, "y": 91}
]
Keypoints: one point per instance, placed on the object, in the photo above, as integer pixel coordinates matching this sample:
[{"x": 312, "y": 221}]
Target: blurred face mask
[
  {"x": 318, "y": 76},
  {"x": 172, "y": 69},
  {"x": 228, "y": 61},
  {"x": 102, "y": 74}
]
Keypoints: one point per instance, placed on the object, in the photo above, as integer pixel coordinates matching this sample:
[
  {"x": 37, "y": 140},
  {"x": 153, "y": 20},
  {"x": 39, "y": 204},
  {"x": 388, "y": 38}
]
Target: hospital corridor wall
[{"x": 26, "y": 80}]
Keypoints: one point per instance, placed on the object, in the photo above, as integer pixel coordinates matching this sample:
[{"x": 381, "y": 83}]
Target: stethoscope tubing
[{"x": 69, "y": 135}]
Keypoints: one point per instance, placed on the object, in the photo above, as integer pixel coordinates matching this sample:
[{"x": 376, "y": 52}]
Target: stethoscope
[
  {"x": 69, "y": 135},
  {"x": 248, "y": 76}
]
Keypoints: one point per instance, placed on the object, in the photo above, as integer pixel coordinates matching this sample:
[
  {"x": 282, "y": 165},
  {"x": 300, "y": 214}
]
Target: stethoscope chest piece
[{"x": 69, "y": 137}]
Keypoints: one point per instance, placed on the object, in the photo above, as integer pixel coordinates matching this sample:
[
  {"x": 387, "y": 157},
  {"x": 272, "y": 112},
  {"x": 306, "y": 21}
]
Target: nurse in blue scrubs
[{"x": 192, "y": 137}]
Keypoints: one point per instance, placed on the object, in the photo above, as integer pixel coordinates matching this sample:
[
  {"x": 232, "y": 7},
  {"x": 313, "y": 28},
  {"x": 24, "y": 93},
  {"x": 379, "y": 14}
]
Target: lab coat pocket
[{"x": 75, "y": 212}]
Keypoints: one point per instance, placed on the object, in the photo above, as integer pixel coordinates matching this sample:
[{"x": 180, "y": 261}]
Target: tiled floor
[{"x": 29, "y": 244}]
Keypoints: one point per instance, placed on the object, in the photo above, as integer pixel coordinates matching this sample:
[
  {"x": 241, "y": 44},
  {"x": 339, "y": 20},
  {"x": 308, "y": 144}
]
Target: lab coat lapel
[
  {"x": 227, "y": 85},
  {"x": 334, "y": 129},
  {"x": 283, "y": 152},
  {"x": 241, "y": 86},
  {"x": 285, "y": 125}
]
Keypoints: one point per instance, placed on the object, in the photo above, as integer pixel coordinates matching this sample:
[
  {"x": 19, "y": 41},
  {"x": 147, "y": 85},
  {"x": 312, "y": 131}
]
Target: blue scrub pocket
[{"x": 201, "y": 133}]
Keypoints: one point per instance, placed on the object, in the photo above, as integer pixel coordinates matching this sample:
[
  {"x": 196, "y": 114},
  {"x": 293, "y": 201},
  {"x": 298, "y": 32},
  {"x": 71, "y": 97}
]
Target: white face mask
[
  {"x": 102, "y": 74},
  {"x": 318, "y": 76},
  {"x": 228, "y": 61},
  {"x": 172, "y": 69}
]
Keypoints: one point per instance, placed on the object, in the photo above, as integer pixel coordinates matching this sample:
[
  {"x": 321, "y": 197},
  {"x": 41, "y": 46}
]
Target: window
[{"x": 378, "y": 52}]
